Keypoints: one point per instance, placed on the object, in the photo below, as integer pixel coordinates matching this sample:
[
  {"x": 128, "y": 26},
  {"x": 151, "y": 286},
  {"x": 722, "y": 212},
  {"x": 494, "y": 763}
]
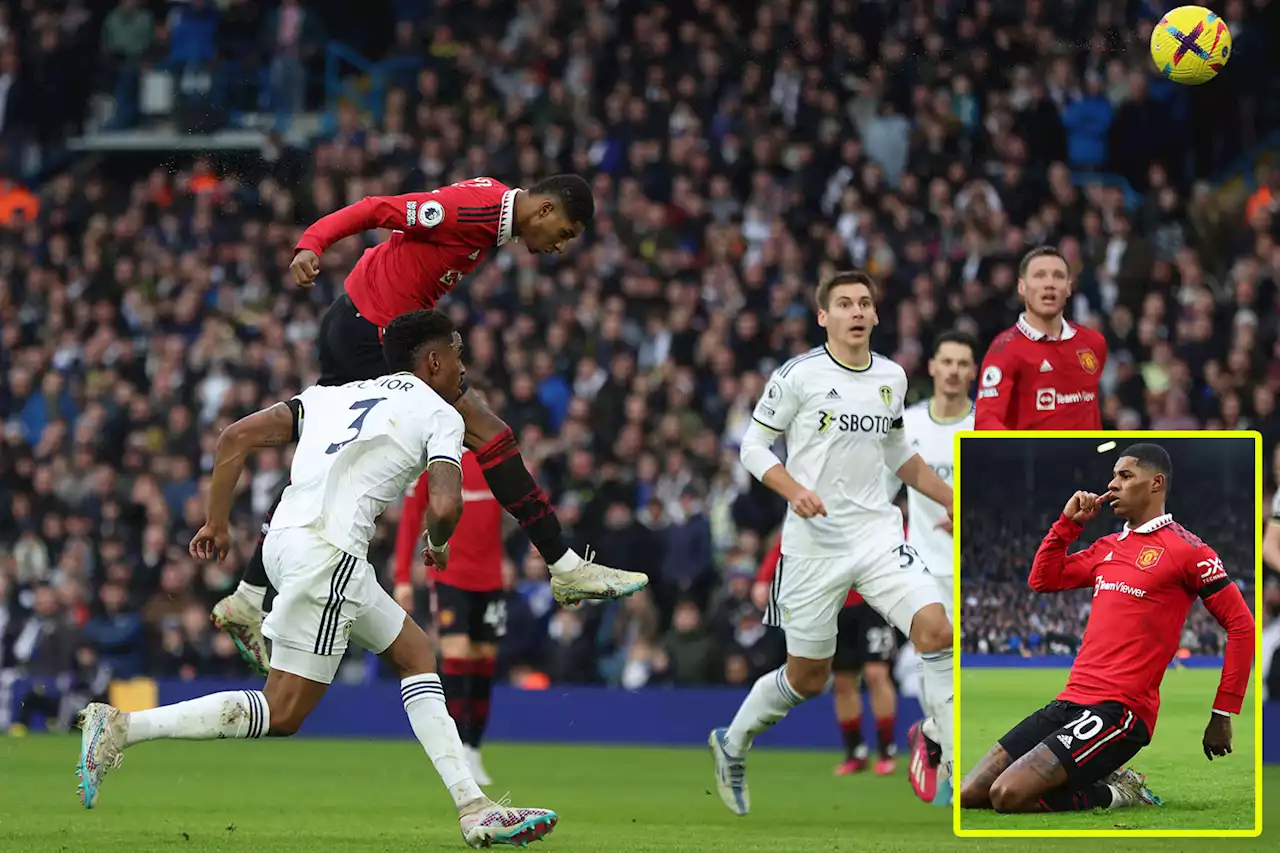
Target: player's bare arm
[
  {"x": 917, "y": 474},
  {"x": 269, "y": 427},
  {"x": 804, "y": 502},
  {"x": 444, "y": 509},
  {"x": 1217, "y": 736},
  {"x": 975, "y": 790},
  {"x": 1019, "y": 789}
]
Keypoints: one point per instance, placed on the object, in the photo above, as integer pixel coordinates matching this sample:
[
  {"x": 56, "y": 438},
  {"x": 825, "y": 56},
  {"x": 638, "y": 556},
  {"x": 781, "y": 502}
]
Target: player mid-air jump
[{"x": 438, "y": 237}]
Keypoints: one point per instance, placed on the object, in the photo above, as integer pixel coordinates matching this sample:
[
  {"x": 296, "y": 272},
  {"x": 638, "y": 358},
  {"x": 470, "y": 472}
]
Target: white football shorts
[
  {"x": 809, "y": 592},
  {"x": 325, "y": 597}
]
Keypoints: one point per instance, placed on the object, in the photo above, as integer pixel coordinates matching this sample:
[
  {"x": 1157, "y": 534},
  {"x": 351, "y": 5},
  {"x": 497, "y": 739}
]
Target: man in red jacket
[
  {"x": 471, "y": 601},
  {"x": 437, "y": 238},
  {"x": 1043, "y": 372},
  {"x": 1067, "y": 756},
  {"x": 865, "y": 646}
]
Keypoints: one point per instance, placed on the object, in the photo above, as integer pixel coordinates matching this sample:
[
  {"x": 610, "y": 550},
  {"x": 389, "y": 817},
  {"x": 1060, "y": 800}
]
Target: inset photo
[{"x": 1107, "y": 681}]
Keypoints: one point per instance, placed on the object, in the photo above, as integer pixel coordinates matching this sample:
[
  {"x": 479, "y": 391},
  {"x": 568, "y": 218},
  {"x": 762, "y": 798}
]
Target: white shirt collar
[
  {"x": 1150, "y": 527},
  {"x": 507, "y": 219},
  {"x": 1068, "y": 331}
]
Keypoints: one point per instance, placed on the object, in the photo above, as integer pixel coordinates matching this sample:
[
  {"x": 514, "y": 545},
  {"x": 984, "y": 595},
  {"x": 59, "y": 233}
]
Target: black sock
[
  {"x": 455, "y": 673},
  {"x": 852, "y": 732},
  {"x": 255, "y": 573},
  {"x": 520, "y": 495},
  {"x": 480, "y": 692},
  {"x": 1081, "y": 800}
]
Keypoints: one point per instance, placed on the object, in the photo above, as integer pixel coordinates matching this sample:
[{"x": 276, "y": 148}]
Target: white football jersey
[
  {"x": 843, "y": 427},
  {"x": 360, "y": 446},
  {"x": 934, "y": 440}
]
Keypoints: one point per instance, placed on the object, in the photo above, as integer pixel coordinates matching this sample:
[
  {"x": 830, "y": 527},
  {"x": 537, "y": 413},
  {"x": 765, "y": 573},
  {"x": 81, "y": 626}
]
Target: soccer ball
[{"x": 1190, "y": 45}]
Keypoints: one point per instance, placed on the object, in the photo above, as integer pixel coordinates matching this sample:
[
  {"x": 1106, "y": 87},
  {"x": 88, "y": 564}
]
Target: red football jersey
[
  {"x": 1144, "y": 581},
  {"x": 1032, "y": 381},
  {"x": 769, "y": 568},
  {"x": 475, "y": 548},
  {"x": 439, "y": 237}
]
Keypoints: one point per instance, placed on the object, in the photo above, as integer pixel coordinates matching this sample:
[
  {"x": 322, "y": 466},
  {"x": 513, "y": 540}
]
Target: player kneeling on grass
[
  {"x": 359, "y": 446},
  {"x": 840, "y": 407},
  {"x": 1068, "y": 755}
]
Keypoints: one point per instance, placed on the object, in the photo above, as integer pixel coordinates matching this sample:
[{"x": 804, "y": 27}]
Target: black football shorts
[
  {"x": 349, "y": 347},
  {"x": 481, "y": 616},
  {"x": 1091, "y": 741},
  {"x": 864, "y": 637}
]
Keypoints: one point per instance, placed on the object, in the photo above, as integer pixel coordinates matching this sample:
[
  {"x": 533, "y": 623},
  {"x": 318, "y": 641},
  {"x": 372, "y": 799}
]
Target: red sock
[
  {"x": 884, "y": 734},
  {"x": 851, "y": 729},
  {"x": 454, "y": 675}
]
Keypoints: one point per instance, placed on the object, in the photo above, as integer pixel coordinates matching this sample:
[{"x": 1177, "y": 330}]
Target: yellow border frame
[{"x": 1257, "y": 670}]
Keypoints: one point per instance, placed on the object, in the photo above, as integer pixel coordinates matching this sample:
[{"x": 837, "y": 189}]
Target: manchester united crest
[
  {"x": 1088, "y": 360},
  {"x": 1149, "y": 556}
]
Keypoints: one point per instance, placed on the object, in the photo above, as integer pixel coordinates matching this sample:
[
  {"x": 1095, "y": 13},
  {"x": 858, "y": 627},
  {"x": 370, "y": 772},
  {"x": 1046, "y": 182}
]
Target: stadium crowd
[
  {"x": 1211, "y": 494},
  {"x": 739, "y": 152}
]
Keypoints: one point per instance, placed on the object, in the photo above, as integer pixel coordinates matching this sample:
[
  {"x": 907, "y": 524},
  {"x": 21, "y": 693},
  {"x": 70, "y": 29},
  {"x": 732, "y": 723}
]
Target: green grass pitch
[
  {"x": 1197, "y": 793},
  {"x": 365, "y": 796}
]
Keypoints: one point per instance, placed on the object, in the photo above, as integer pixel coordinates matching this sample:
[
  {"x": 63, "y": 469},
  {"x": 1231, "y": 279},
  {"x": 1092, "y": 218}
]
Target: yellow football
[{"x": 1190, "y": 45}]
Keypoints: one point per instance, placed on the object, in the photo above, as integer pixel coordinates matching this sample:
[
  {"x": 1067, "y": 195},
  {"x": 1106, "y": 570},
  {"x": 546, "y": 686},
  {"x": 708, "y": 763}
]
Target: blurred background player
[
  {"x": 1068, "y": 755},
  {"x": 865, "y": 644},
  {"x": 469, "y": 601},
  {"x": 346, "y": 471},
  {"x": 1042, "y": 373},
  {"x": 840, "y": 408},
  {"x": 437, "y": 238},
  {"x": 932, "y": 426}
]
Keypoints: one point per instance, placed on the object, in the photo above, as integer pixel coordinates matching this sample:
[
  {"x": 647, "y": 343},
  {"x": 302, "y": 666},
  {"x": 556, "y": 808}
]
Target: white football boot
[
  {"x": 488, "y": 823},
  {"x": 590, "y": 580},
  {"x": 102, "y": 741}
]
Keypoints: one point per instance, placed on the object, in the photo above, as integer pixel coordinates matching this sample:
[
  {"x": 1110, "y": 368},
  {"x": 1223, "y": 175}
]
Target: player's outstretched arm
[
  {"x": 1052, "y": 570},
  {"x": 470, "y": 210},
  {"x": 270, "y": 427},
  {"x": 1223, "y": 600}
]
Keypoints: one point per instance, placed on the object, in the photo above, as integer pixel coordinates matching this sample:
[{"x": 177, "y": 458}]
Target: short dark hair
[
  {"x": 1041, "y": 252},
  {"x": 955, "y": 336},
  {"x": 574, "y": 195},
  {"x": 823, "y": 296},
  {"x": 406, "y": 335},
  {"x": 1152, "y": 457}
]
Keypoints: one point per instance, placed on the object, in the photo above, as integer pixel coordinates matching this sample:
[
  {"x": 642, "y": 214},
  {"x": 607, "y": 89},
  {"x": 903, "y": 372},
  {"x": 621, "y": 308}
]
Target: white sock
[
  {"x": 1117, "y": 799},
  {"x": 939, "y": 695},
  {"x": 437, "y": 732},
  {"x": 233, "y": 714},
  {"x": 255, "y": 595},
  {"x": 771, "y": 697},
  {"x": 567, "y": 563}
]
